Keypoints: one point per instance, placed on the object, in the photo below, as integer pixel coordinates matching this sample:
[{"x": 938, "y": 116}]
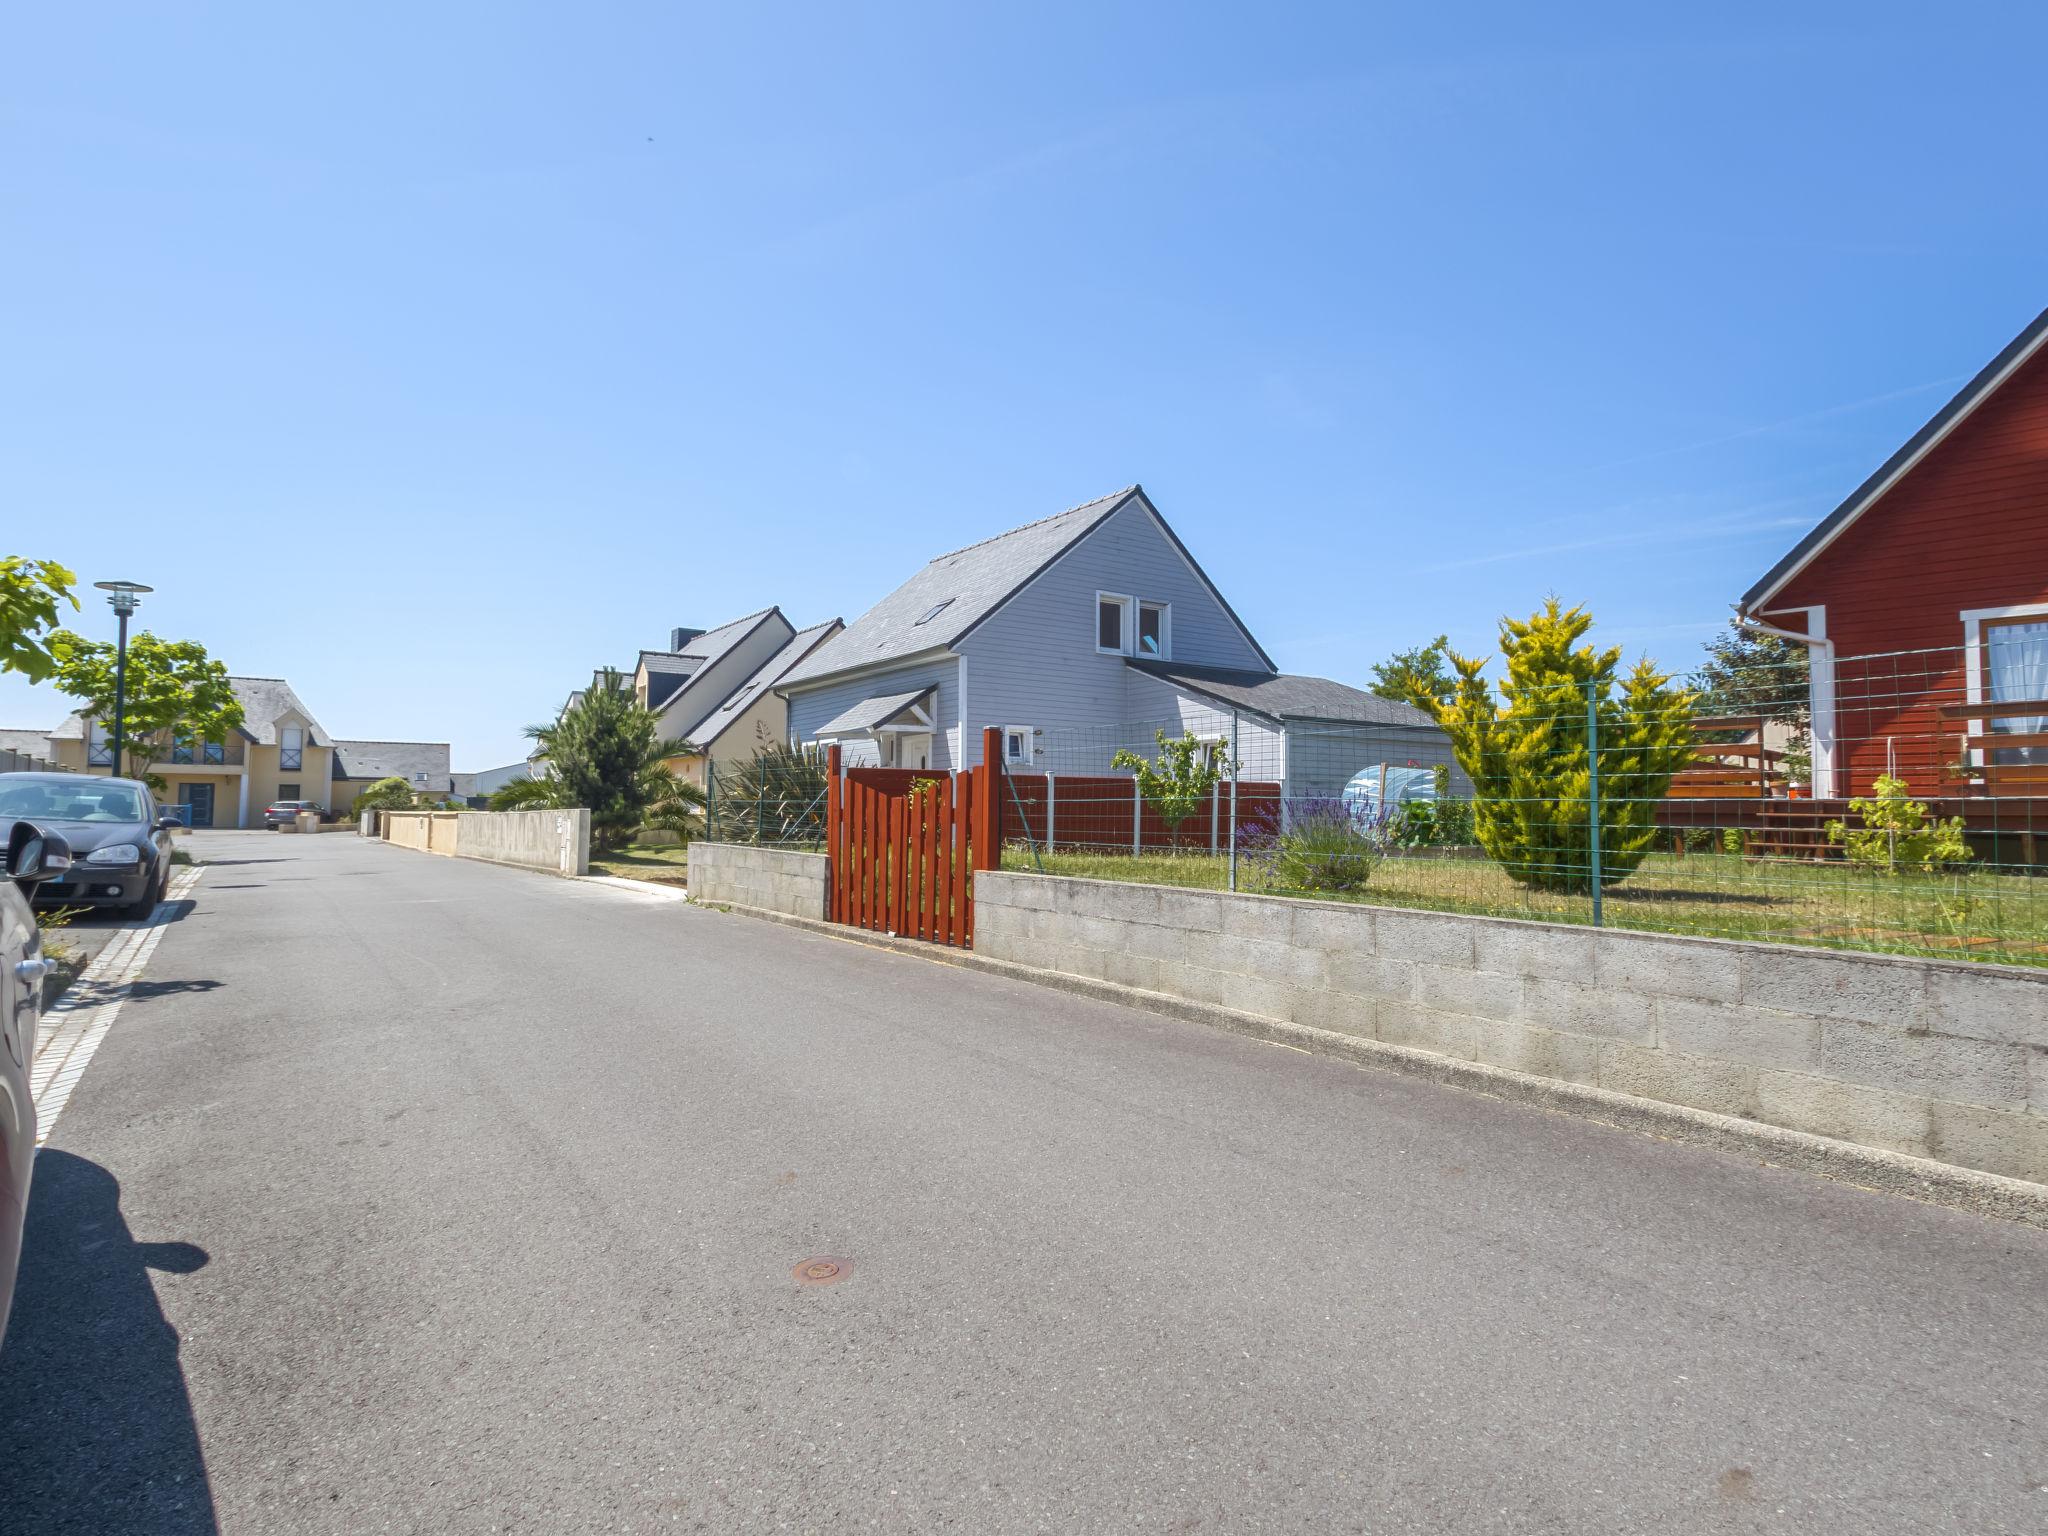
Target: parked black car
[
  {"x": 35, "y": 856},
  {"x": 120, "y": 841}
]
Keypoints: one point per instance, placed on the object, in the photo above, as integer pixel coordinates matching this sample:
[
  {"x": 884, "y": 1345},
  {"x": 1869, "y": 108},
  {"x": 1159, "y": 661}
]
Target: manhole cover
[{"x": 822, "y": 1271}]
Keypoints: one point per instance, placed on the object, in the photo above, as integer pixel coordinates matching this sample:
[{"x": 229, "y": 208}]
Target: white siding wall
[
  {"x": 1035, "y": 663},
  {"x": 813, "y": 708}
]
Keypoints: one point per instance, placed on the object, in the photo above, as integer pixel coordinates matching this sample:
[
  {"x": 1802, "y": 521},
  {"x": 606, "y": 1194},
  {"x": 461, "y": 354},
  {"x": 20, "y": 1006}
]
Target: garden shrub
[
  {"x": 1526, "y": 753},
  {"x": 1896, "y": 834},
  {"x": 1317, "y": 845}
]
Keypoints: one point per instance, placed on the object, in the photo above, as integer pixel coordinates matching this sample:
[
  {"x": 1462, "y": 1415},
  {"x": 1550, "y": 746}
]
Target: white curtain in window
[{"x": 2016, "y": 661}]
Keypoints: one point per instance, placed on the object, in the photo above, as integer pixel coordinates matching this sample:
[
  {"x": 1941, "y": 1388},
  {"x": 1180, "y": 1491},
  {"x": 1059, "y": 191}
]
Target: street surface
[{"x": 409, "y": 1195}]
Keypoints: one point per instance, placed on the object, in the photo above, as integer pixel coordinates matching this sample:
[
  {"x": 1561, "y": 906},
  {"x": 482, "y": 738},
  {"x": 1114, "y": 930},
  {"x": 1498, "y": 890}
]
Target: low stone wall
[
  {"x": 741, "y": 875},
  {"x": 1932, "y": 1059},
  {"x": 556, "y": 841}
]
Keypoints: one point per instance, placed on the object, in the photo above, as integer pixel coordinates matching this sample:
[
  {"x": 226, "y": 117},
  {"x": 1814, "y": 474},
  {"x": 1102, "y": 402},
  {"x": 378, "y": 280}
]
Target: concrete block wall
[
  {"x": 556, "y": 841},
  {"x": 1940, "y": 1060},
  {"x": 774, "y": 879}
]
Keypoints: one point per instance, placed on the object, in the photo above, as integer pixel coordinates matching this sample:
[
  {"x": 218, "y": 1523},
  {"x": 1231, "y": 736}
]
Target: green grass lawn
[
  {"x": 661, "y": 864},
  {"x": 1977, "y": 916}
]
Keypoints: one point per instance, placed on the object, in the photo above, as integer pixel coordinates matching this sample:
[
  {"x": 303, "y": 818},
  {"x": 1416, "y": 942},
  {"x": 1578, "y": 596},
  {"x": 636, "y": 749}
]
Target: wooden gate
[{"x": 904, "y": 845}]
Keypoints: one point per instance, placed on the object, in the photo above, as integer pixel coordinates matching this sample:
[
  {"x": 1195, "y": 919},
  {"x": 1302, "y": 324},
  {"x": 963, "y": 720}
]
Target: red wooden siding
[{"x": 1966, "y": 528}]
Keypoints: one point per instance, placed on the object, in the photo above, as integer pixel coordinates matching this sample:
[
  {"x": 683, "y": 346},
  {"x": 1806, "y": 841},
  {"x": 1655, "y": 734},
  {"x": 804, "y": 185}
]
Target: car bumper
[{"x": 86, "y": 887}]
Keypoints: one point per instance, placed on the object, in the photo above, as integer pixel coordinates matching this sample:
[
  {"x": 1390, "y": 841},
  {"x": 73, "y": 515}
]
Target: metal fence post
[
  {"x": 710, "y": 801},
  {"x": 1593, "y": 786},
  {"x": 1233, "y": 799}
]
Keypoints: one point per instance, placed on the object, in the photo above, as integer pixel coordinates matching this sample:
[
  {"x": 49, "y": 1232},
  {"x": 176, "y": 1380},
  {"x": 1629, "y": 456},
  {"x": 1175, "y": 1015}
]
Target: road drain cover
[{"x": 822, "y": 1271}]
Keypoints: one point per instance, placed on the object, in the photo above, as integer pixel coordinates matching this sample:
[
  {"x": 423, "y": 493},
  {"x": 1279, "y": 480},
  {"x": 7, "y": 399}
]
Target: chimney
[{"x": 678, "y": 638}]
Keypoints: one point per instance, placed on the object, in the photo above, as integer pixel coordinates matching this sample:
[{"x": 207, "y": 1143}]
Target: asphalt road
[{"x": 413, "y": 1195}]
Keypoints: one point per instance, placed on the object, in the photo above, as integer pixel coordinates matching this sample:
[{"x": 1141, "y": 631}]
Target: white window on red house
[{"x": 2016, "y": 672}]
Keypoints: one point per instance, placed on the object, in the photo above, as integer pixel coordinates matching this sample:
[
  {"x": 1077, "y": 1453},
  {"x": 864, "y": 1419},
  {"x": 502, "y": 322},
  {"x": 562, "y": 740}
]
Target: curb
[{"x": 1891, "y": 1173}]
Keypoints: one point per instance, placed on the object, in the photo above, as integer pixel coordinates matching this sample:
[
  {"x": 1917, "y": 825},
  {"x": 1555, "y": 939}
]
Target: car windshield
[{"x": 86, "y": 800}]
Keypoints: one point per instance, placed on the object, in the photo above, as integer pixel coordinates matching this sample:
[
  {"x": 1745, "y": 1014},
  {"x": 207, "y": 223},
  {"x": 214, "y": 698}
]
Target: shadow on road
[
  {"x": 96, "y": 1429},
  {"x": 141, "y": 989}
]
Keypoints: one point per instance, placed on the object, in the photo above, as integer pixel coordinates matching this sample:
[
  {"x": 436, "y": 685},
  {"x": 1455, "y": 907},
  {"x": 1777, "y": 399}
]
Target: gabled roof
[
  {"x": 422, "y": 764},
  {"x": 771, "y": 672},
  {"x": 1285, "y": 696},
  {"x": 706, "y": 650},
  {"x": 956, "y": 592},
  {"x": 1894, "y": 469},
  {"x": 870, "y": 713},
  {"x": 264, "y": 699}
]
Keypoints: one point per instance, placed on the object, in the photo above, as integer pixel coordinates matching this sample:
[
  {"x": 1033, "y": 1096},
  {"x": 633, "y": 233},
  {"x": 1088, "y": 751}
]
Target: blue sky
[{"x": 430, "y": 355}]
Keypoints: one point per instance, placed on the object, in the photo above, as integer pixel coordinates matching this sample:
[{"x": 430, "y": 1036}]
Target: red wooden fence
[
  {"x": 1096, "y": 811},
  {"x": 903, "y": 862}
]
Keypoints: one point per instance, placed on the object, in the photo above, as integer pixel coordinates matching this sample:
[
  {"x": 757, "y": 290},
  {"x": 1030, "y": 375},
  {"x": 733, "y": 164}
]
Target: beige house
[
  {"x": 715, "y": 688},
  {"x": 280, "y": 752}
]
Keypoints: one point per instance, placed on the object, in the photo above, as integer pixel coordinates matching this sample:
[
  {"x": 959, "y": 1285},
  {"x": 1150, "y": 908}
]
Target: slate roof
[
  {"x": 869, "y": 713},
  {"x": 1967, "y": 399},
  {"x": 973, "y": 583},
  {"x": 23, "y": 739},
  {"x": 667, "y": 671},
  {"x": 263, "y": 700},
  {"x": 684, "y": 713},
  {"x": 1286, "y": 695},
  {"x": 405, "y": 760},
  {"x": 771, "y": 672}
]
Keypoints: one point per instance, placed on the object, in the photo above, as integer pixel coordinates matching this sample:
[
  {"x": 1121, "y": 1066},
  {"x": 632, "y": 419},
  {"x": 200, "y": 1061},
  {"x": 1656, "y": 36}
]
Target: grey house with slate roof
[{"x": 1075, "y": 635}]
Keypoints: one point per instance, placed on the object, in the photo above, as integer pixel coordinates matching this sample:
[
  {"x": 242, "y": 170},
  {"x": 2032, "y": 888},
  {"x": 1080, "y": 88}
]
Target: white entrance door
[{"x": 914, "y": 751}]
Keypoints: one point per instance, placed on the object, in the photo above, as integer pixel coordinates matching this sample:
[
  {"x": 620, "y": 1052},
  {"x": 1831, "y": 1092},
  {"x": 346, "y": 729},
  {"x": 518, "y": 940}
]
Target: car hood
[{"x": 84, "y": 836}]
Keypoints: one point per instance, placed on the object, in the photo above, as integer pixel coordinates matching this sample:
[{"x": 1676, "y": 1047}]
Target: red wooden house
[{"x": 1924, "y": 600}]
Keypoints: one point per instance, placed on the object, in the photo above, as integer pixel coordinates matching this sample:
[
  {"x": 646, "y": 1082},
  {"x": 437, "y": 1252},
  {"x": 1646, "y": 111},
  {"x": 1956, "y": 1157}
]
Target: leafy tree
[
  {"x": 602, "y": 749},
  {"x": 1897, "y": 835},
  {"x": 30, "y": 591},
  {"x": 1526, "y": 753},
  {"x": 775, "y": 796},
  {"x": 392, "y": 794},
  {"x": 1178, "y": 782},
  {"x": 1750, "y": 673},
  {"x": 1421, "y": 676},
  {"x": 173, "y": 687}
]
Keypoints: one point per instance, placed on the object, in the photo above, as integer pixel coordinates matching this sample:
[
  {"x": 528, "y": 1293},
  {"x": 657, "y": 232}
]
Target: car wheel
[{"x": 144, "y": 904}]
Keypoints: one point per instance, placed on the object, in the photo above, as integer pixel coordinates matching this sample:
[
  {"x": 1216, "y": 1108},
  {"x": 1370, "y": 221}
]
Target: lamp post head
[{"x": 123, "y": 596}]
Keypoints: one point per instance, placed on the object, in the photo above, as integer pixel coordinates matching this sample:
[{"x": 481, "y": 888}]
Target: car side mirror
[
  {"x": 167, "y": 822},
  {"x": 34, "y": 855}
]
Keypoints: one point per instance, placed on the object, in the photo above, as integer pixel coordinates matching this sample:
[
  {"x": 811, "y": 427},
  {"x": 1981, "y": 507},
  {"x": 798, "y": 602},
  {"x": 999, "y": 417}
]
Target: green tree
[
  {"x": 603, "y": 749},
  {"x": 1526, "y": 753},
  {"x": 543, "y": 792},
  {"x": 1421, "y": 676},
  {"x": 1177, "y": 783},
  {"x": 30, "y": 591},
  {"x": 173, "y": 688},
  {"x": 1750, "y": 673},
  {"x": 674, "y": 804},
  {"x": 392, "y": 794}
]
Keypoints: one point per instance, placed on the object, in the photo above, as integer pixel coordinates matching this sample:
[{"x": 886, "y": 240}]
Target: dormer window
[
  {"x": 291, "y": 742},
  {"x": 935, "y": 610}
]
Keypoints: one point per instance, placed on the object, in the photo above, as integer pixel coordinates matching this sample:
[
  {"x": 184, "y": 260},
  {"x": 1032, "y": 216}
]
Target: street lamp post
[{"x": 124, "y": 597}]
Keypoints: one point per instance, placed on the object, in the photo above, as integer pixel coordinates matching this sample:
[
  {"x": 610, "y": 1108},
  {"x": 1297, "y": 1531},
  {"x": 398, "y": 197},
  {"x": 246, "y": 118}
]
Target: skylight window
[{"x": 935, "y": 610}]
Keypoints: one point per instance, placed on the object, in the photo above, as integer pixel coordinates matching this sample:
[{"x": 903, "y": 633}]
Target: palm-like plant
[{"x": 605, "y": 752}]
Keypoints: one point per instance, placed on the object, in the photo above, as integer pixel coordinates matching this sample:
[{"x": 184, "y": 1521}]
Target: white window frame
[
  {"x": 1030, "y": 739},
  {"x": 1126, "y": 624},
  {"x": 1165, "y": 612},
  {"x": 1976, "y": 676},
  {"x": 287, "y": 748}
]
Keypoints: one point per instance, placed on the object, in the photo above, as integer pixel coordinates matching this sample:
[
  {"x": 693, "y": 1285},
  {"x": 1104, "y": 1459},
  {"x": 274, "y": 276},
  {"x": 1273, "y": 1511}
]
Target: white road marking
[{"x": 79, "y": 1020}]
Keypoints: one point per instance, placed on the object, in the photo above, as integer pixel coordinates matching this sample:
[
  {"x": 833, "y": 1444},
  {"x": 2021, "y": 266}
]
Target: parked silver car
[{"x": 34, "y": 857}]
